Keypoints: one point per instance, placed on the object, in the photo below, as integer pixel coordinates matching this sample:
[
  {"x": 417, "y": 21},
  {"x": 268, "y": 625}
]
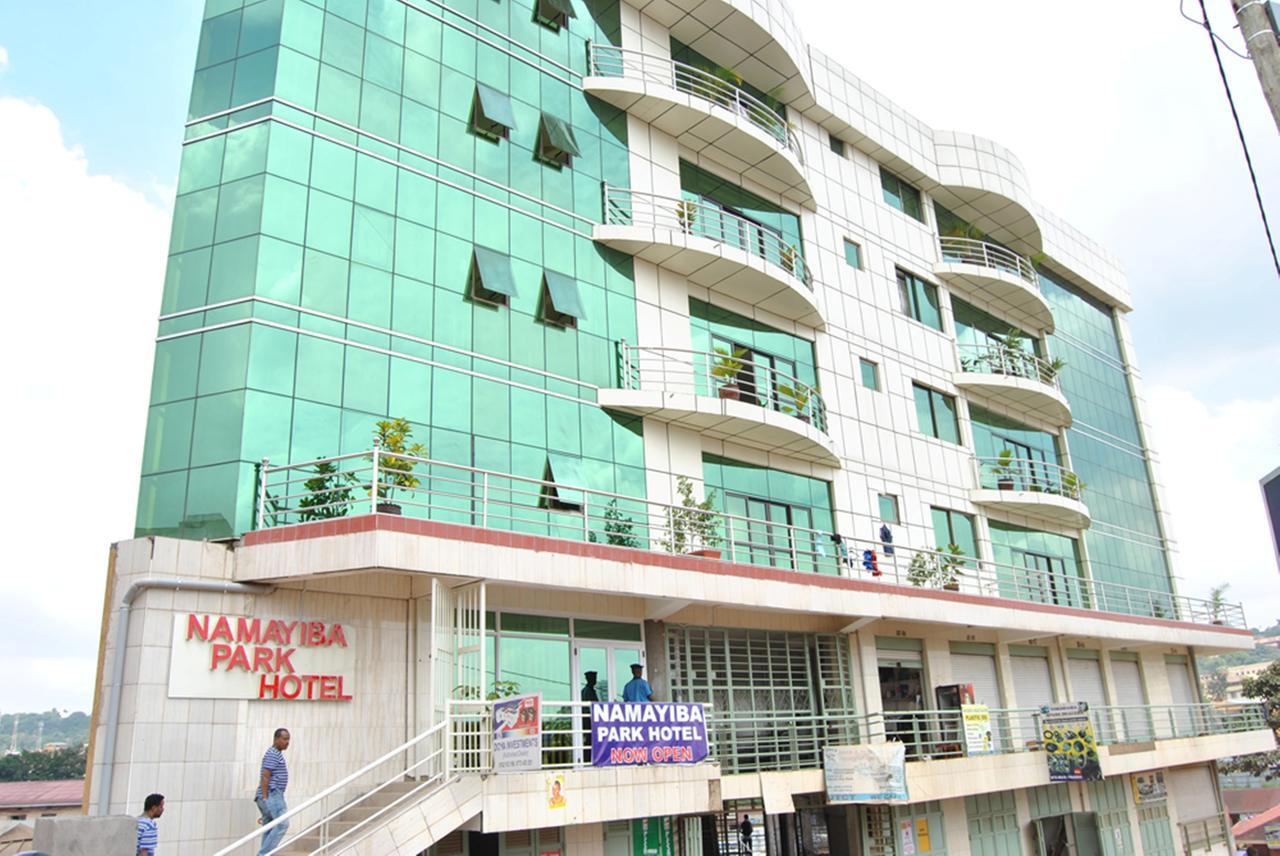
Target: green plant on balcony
[
  {"x": 692, "y": 526},
  {"x": 1218, "y": 603},
  {"x": 395, "y": 465},
  {"x": 1003, "y": 469},
  {"x": 1072, "y": 484},
  {"x": 788, "y": 256},
  {"x": 724, "y": 370},
  {"x": 686, "y": 214},
  {"x": 328, "y": 493},
  {"x": 939, "y": 569},
  {"x": 619, "y": 531},
  {"x": 795, "y": 399},
  {"x": 1049, "y": 371}
]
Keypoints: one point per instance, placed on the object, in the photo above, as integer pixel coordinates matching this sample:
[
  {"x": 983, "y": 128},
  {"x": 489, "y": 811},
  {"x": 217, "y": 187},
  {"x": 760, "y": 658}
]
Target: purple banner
[{"x": 626, "y": 733}]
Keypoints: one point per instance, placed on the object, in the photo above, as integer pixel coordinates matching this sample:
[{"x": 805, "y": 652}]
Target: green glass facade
[
  {"x": 1125, "y": 542},
  {"x": 331, "y": 197}
]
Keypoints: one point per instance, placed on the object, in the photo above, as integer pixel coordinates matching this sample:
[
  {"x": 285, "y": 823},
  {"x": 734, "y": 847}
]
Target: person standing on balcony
[
  {"x": 148, "y": 831},
  {"x": 270, "y": 793},
  {"x": 744, "y": 834},
  {"x": 637, "y": 689},
  {"x": 588, "y": 695}
]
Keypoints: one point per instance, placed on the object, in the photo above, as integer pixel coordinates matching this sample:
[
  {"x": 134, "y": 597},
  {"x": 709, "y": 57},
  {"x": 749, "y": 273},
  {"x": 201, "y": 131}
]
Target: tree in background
[
  {"x": 1265, "y": 688},
  {"x": 66, "y": 763},
  {"x": 1215, "y": 685}
]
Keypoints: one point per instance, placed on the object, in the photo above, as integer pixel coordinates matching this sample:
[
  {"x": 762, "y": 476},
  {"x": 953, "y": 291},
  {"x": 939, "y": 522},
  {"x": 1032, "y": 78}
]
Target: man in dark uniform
[{"x": 589, "y": 694}]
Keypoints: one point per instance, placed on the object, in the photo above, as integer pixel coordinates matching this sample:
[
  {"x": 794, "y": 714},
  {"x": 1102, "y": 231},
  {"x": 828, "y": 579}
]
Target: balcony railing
[
  {"x": 611, "y": 61},
  {"x": 723, "y": 375},
  {"x": 1026, "y": 474},
  {"x": 971, "y": 251},
  {"x": 1203, "y": 834},
  {"x": 704, "y": 219},
  {"x": 1011, "y": 362},
  {"x": 423, "y": 488}
]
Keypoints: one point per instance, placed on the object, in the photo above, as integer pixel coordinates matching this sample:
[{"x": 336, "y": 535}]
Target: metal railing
[
  {"x": 704, "y": 219},
  {"x": 1137, "y": 724},
  {"x": 755, "y": 741},
  {"x": 1027, "y": 474},
  {"x": 1203, "y": 834},
  {"x": 423, "y": 488},
  {"x": 1003, "y": 360},
  {"x": 720, "y": 374},
  {"x": 347, "y": 811},
  {"x": 611, "y": 61},
  {"x": 971, "y": 251}
]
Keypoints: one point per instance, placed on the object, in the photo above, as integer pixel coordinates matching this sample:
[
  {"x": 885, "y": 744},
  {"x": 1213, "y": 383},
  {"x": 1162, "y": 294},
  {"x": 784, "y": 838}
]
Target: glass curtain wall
[{"x": 321, "y": 251}]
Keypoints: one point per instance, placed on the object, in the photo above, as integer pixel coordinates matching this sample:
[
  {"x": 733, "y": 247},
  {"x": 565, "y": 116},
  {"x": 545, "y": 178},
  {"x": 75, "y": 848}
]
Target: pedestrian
[
  {"x": 744, "y": 834},
  {"x": 148, "y": 831},
  {"x": 270, "y": 793},
  {"x": 588, "y": 695},
  {"x": 637, "y": 689}
]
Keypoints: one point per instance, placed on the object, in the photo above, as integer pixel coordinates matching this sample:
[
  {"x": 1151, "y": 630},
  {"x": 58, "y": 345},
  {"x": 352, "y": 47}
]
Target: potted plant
[
  {"x": 328, "y": 493},
  {"x": 693, "y": 526},
  {"x": 687, "y": 214},
  {"x": 788, "y": 256},
  {"x": 937, "y": 569},
  {"x": 1218, "y": 602},
  {"x": 949, "y": 563},
  {"x": 1071, "y": 485},
  {"x": 396, "y": 450},
  {"x": 724, "y": 368},
  {"x": 1002, "y": 469},
  {"x": 1050, "y": 370},
  {"x": 619, "y": 531},
  {"x": 923, "y": 568},
  {"x": 798, "y": 396}
]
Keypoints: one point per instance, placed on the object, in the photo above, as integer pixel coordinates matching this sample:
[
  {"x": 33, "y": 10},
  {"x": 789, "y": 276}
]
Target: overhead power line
[{"x": 1253, "y": 176}]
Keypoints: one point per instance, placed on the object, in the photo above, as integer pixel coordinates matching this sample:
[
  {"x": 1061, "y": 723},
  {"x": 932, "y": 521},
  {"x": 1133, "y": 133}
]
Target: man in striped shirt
[
  {"x": 270, "y": 793},
  {"x": 148, "y": 831}
]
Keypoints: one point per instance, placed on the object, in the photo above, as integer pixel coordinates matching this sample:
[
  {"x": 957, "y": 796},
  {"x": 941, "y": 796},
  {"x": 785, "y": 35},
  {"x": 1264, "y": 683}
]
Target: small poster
[
  {"x": 923, "y": 844},
  {"x": 907, "y": 833},
  {"x": 1069, "y": 743},
  {"x": 977, "y": 729},
  {"x": 555, "y": 793},
  {"x": 1148, "y": 787},
  {"x": 517, "y": 734},
  {"x": 1272, "y": 831},
  {"x": 871, "y": 773}
]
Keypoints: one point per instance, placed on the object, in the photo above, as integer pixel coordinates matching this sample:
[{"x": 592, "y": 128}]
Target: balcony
[
  {"x": 725, "y": 398},
  {"x": 331, "y": 489},
  {"x": 713, "y": 248},
  {"x": 995, "y": 277},
  {"x": 1015, "y": 379},
  {"x": 704, "y": 113},
  {"x": 1037, "y": 489}
]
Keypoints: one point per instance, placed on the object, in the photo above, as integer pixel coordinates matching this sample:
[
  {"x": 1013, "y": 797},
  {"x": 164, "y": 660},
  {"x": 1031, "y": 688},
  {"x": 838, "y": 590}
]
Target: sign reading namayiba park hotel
[{"x": 252, "y": 657}]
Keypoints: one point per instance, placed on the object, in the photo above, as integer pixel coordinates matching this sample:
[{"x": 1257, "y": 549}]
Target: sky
[{"x": 1115, "y": 109}]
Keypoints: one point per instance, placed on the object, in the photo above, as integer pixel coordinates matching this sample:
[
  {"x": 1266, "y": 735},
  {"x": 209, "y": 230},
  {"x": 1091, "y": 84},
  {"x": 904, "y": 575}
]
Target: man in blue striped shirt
[
  {"x": 270, "y": 793},
  {"x": 148, "y": 831}
]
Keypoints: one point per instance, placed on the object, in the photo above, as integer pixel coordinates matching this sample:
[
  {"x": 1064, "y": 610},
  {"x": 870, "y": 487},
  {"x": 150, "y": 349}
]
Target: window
[
  {"x": 936, "y": 412},
  {"x": 919, "y": 299},
  {"x": 556, "y": 143},
  {"x": 870, "y": 374},
  {"x": 837, "y": 144},
  {"x": 491, "y": 113},
  {"x": 563, "y": 490},
  {"x": 554, "y": 13},
  {"x": 953, "y": 527},
  {"x": 491, "y": 280},
  {"x": 901, "y": 195},
  {"x": 767, "y": 537},
  {"x": 889, "y": 508},
  {"x": 561, "y": 303},
  {"x": 853, "y": 254}
]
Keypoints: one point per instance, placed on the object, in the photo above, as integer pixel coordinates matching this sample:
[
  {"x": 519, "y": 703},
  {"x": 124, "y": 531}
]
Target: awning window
[
  {"x": 556, "y": 142},
  {"x": 564, "y": 482},
  {"x": 491, "y": 113},
  {"x": 561, "y": 302},
  {"x": 554, "y": 13},
  {"x": 491, "y": 278}
]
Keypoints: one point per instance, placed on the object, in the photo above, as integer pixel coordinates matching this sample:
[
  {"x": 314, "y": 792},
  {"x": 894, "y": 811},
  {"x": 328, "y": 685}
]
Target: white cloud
[
  {"x": 82, "y": 258},
  {"x": 1211, "y": 458}
]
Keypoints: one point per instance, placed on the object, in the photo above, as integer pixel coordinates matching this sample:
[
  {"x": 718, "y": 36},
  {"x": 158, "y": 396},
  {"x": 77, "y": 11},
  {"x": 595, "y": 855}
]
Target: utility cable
[
  {"x": 1182, "y": 8},
  {"x": 1253, "y": 176}
]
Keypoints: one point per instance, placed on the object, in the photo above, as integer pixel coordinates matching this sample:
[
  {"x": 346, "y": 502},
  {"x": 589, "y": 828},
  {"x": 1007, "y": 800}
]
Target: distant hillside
[{"x": 72, "y": 729}]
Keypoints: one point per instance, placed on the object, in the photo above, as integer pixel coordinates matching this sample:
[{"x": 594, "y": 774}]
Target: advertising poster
[
  {"x": 555, "y": 792},
  {"x": 653, "y": 836},
  {"x": 977, "y": 729},
  {"x": 906, "y": 832},
  {"x": 1272, "y": 831},
  {"x": 629, "y": 733},
  {"x": 872, "y": 773},
  {"x": 517, "y": 734},
  {"x": 1069, "y": 743},
  {"x": 1148, "y": 787}
]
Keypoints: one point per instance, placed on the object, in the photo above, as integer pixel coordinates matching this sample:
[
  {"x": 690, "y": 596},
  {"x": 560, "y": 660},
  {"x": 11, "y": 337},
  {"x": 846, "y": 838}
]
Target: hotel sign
[{"x": 252, "y": 657}]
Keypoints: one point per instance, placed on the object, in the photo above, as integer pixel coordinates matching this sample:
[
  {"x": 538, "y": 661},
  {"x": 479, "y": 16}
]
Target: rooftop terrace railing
[
  {"x": 612, "y": 61},
  {"x": 721, "y": 374},
  {"x": 971, "y": 251},
  {"x": 1028, "y": 474},
  {"x": 1004, "y": 360},
  {"x": 423, "y": 488},
  {"x": 704, "y": 219}
]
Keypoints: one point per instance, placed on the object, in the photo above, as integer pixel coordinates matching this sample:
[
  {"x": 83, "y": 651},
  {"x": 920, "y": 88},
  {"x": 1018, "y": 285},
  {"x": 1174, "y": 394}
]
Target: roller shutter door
[
  {"x": 1133, "y": 719},
  {"x": 979, "y": 670},
  {"x": 1086, "y": 682},
  {"x": 1182, "y": 692},
  {"x": 1031, "y": 681},
  {"x": 1191, "y": 789}
]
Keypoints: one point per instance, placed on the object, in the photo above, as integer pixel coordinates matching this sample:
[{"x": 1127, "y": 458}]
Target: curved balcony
[
  {"x": 997, "y": 277},
  {"x": 1035, "y": 488},
  {"x": 712, "y": 247},
  {"x": 704, "y": 113},
  {"x": 724, "y": 397},
  {"x": 1016, "y": 379}
]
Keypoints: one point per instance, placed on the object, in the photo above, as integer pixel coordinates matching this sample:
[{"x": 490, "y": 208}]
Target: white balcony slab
[
  {"x": 1041, "y": 401},
  {"x": 1007, "y": 293},
  {"x": 1051, "y": 507}
]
